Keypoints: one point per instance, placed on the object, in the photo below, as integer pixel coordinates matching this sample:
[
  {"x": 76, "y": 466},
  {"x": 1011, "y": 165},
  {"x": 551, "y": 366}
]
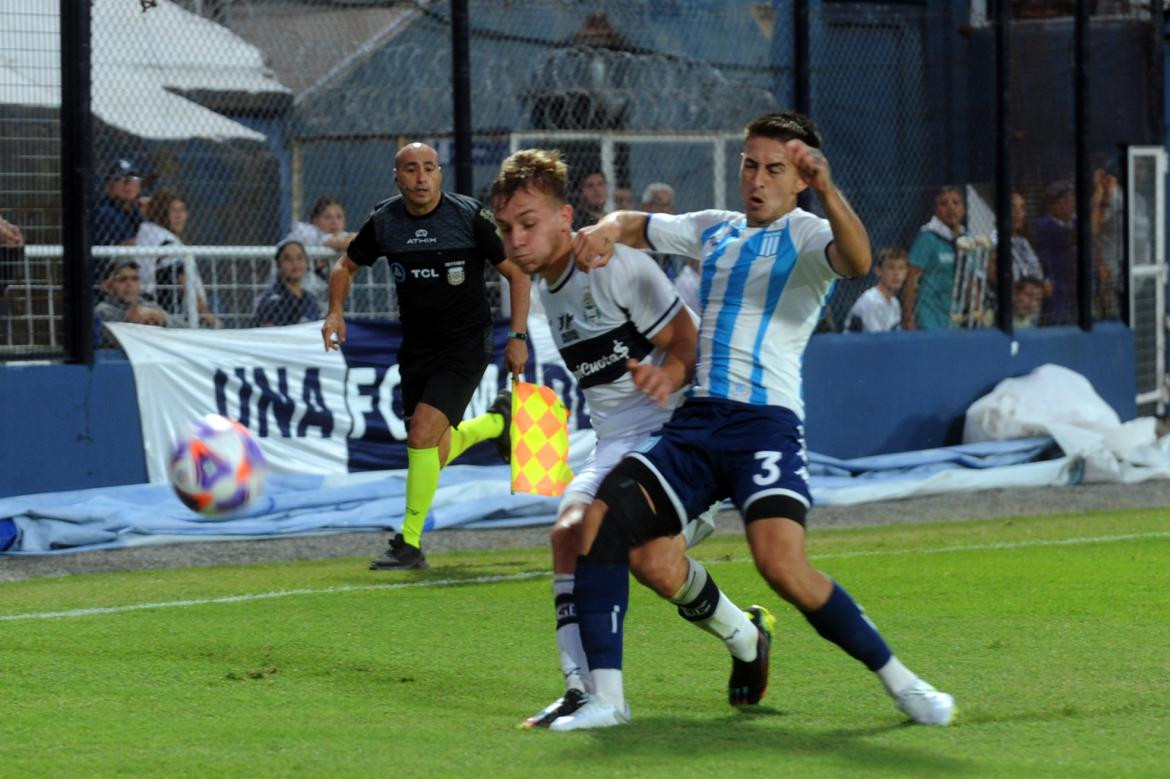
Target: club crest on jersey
[
  {"x": 455, "y": 275},
  {"x": 592, "y": 315},
  {"x": 770, "y": 244}
]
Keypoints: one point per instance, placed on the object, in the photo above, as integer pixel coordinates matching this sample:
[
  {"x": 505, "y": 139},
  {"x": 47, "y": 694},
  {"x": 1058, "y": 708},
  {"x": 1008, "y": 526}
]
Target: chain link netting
[{"x": 243, "y": 117}]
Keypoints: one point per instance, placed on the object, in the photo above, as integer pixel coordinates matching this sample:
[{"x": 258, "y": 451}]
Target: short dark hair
[
  {"x": 784, "y": 126},
  {"x": 321, "y": 204},
  {"x": 541, "y": 169}
]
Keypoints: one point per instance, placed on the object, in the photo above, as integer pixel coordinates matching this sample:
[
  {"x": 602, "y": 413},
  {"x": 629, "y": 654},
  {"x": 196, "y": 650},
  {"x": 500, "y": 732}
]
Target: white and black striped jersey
[{"x": 602, "y": 318}]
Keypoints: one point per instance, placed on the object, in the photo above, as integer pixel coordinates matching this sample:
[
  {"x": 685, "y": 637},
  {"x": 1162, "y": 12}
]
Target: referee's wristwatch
[{"x": 518, "y": 335}]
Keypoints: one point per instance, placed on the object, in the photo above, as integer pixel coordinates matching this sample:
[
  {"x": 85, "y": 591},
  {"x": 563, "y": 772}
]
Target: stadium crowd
[{"x": 945, "y": 278}]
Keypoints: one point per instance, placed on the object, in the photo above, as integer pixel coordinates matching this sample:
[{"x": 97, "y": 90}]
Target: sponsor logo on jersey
[
  {"x": 398, "y": 272},
  {"x": 421, "y": 237},
  {"x": 620, "y": 354}
]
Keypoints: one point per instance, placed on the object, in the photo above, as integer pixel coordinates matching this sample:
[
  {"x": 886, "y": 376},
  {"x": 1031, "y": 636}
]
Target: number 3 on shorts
[{"x": 769, "y": 470}]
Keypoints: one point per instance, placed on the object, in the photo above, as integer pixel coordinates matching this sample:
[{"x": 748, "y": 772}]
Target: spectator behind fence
[
  {"x": 173, "y": 279},
  {"x": 1056, "y": 246},
  {"x": 1027, "y": 301},
  {"x": 591, "y": 198},
  {"x": 1107, "y": 223},
  {"x": 1025, "y": 263},
  {"x": 10, "y": 234},
  {"x": 326, "y": 227},
  {"x": 122, "y": 299},
  {"x": 623, "y": 199},
  {"x": 11, "y": 239},
  {"x": 926, "y": 301},
  {"x": 658, "y": 198},
  {"x": 878, "y": 309},
  {"x": 116, "y": 217},
  {"x": 287, "y": 302}
]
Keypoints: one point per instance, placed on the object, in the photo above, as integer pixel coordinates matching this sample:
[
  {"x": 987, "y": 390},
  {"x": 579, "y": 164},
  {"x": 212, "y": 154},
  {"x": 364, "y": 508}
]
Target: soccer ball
[{"x": 217, "y": 467}]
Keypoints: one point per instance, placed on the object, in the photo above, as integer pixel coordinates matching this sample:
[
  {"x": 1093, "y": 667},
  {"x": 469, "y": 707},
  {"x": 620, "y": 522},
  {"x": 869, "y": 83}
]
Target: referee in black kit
[{"x": 436, "y": 243}]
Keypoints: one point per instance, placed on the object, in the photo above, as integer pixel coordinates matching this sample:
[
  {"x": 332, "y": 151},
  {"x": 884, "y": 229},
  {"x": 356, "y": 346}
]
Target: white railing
[{"x": 233, "y": 278}]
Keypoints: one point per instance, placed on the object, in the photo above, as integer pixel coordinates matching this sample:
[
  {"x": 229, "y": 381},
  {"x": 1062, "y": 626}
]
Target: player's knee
[
  {"x": 566, "y": 545},
  {"x": 625, "y": 509}
]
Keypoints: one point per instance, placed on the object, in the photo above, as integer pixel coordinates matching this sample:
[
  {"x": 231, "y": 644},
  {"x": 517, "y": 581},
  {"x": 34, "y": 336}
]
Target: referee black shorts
[{"x": 444, "y": 376}]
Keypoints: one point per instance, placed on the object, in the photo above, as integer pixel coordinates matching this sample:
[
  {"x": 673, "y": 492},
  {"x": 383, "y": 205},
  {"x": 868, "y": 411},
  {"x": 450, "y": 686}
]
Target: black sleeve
[
  {"x": 363, "y": 249},
  {"x": 487, "y": 238}
]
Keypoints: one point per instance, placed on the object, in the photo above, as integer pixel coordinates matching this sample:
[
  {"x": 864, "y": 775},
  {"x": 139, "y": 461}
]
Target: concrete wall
[{"x": 70, "y": 427}]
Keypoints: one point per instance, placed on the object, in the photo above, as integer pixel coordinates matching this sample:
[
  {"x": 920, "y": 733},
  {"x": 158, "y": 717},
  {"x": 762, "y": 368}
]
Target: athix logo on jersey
[
  {"x": 421, "y": 236},
  {"x": 620, "y": 354}
]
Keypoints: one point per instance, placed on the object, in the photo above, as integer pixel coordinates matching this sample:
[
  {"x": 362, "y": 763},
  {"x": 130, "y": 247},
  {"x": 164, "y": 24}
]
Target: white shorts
[{"x": 607, "y": 454}]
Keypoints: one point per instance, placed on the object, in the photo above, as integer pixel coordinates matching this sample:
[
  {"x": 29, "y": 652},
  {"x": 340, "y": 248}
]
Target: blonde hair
[{"x": 541, "y": 169}]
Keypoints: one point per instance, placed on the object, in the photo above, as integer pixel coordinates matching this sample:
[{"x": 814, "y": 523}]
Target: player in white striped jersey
[
  {"x": 630, "y": 342},
  {"x": 766, "y": 274}
]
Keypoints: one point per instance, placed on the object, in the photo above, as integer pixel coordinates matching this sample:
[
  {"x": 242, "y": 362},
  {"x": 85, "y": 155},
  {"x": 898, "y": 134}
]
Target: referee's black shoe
[
  {"x": 400, "y": 556},
  {"x": 502, "y": 405}
]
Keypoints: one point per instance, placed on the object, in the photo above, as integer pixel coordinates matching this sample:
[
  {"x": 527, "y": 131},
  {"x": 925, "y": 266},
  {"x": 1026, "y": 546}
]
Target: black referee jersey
[{"x": 437, "y": 262}]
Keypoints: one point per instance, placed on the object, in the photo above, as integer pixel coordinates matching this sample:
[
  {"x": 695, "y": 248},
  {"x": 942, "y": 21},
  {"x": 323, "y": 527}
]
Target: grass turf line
[{"x": 1056, "y": 654}]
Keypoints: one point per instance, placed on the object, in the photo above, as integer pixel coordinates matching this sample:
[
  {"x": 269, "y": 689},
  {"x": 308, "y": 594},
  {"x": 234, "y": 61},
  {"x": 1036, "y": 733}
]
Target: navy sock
[
  {"x": 602, "y": 593},
  {"x": 843, "y": 622}
]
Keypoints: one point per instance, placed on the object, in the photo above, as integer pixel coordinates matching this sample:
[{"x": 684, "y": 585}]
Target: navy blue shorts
[{"x": 713, "y": 449}]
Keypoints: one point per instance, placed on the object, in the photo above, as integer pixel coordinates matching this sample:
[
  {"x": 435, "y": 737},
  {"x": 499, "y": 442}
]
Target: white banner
[{"x": 311, "y": 411}]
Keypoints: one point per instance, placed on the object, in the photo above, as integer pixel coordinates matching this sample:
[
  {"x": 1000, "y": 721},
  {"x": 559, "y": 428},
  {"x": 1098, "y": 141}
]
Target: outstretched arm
[
  {"x": 593, "y": 245},
  {"x": 849, "y": 254}
]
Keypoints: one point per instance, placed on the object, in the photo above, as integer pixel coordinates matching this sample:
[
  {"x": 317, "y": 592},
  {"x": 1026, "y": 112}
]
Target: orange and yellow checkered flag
[{"x": 540, "y": 441}]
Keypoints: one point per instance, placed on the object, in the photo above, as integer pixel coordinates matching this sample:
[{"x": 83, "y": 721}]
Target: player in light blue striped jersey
[{"x": 765, "y": 276}]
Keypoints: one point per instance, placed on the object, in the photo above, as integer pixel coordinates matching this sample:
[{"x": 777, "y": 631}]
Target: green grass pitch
[{"x": 1052, "y": 633}]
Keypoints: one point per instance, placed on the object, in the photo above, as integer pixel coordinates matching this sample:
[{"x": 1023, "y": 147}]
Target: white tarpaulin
[{"x": 1053, "y": 400}]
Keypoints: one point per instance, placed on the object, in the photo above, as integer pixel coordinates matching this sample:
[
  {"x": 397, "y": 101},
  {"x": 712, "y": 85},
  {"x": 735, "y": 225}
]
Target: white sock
[
  {"x": 573, "y": 663},
  {"x": 727, "y": 621},
  {"x": 608, "y": 686},
  {"x": 895, "y": 676}
]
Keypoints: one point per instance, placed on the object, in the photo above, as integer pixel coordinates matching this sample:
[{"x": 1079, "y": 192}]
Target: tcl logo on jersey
[{"x": 424, "y": 273}]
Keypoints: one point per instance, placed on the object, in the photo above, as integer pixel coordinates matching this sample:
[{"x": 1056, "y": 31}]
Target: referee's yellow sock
[
  {"x": 483, "y": 428},
  {"x": 422, "y": 479}
]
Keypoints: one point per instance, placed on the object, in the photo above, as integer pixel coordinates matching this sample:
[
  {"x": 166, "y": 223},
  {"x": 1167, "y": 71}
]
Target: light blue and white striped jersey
[{"x": 762, "y": 291}]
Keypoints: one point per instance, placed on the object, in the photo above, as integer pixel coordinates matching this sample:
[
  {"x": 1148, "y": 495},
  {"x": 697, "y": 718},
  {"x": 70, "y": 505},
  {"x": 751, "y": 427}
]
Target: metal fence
[{"x": 251, "y": 111}]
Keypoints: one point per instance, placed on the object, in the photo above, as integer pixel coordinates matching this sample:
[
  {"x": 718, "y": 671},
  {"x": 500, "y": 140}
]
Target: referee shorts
[{"x": 446, "y": 376}]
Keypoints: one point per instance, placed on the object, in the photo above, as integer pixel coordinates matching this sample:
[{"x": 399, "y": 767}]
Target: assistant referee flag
[{"x": 540, "y": 441}]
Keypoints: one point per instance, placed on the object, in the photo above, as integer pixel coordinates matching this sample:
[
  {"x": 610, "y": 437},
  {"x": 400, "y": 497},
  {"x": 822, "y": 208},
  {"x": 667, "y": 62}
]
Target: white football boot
[
  {"x": 926, "y": 705},
  {"x": 596, "y": 713}
]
